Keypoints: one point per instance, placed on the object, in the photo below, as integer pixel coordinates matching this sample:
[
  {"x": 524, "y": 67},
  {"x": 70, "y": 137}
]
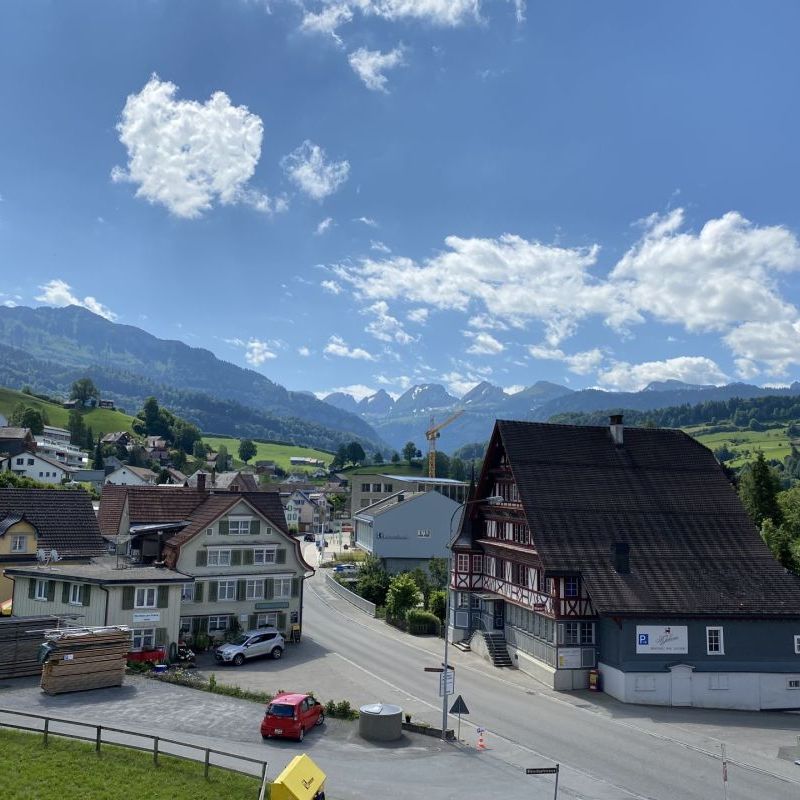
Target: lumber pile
[
  {"x": 20, "y": 638},
  {"x": 85, "y": 658}
]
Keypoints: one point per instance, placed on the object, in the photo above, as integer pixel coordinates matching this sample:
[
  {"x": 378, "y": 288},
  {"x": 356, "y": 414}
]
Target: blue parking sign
[{"x": 644, "y": 638}]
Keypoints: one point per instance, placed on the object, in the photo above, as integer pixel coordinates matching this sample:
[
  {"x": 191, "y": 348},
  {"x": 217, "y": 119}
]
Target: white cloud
[
  {"x": 257, "y": 352},
  {"x": 484, "y": 322},
  {"x": 385, "y": 327},
  {"x": 581, "y": 363},
  {"x": 746, "y": 369},
  {"x": 379, "y": 247},
  {"x": 626, "y": 377},
  {"x": 368, "y": 221},
  {"x": 323, "y": 226},
  {"x": 776, "y": 344},
  {"x": 187, "y": 155},
  {"x": 356, "y": 390},
  {"x": 59, "y": 293},
  {"x": 402, "y": 382},
  {"x": 370, "y": 65},
  {"x": 331, "y": 286},
  {"x": 515, "y": 388},
  {"x": 307, "y": 168},
  {"x": 304, "y": 351},
  {"x": 327, "y": 20},
  {"x": 338, "y": 347},
  {"x": 483, "y": 344},
  {"x": 459, "y": 384},
  {"x": 418, "y": 315},
  {"x": 9, "y": 303},
  {"x": 446, "y": 13}
]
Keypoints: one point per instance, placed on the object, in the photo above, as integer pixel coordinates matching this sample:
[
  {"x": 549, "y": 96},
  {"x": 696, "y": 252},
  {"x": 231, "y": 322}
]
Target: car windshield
[
  {"x": 240, "y": 639},
  {"x": 280, "y": 710}
]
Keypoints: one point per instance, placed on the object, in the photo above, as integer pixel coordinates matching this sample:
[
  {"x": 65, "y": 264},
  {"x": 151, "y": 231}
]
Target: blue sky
[{"x": 378, "y": 193}]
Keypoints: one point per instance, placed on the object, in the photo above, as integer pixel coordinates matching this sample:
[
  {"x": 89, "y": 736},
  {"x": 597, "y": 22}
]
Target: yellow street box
[{"x": 301, "y": 779}]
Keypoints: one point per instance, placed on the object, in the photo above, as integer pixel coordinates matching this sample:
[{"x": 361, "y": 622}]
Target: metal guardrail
[
  {"x": 201, "y": 754},
  {"x": 351, "y": 597}
]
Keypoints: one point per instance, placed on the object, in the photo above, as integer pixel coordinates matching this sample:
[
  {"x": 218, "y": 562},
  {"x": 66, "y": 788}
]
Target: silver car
[{"x": 263, "y": 642}]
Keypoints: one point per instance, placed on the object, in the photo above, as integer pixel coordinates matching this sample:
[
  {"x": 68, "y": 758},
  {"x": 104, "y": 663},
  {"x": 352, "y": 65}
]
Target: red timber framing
[{"x": 507, "y": 563}]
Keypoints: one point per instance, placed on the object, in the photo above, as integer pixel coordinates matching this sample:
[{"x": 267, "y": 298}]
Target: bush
[
  {"x": 437, "y": 603},
  {"x": 340, "y": 710},
  {"x": 422, "y": 622},
  {"x": 403, "y": 595}
]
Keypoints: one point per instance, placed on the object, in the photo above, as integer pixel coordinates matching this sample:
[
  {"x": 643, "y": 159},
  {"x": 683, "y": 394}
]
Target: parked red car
[{"x": 291, "y": 715}]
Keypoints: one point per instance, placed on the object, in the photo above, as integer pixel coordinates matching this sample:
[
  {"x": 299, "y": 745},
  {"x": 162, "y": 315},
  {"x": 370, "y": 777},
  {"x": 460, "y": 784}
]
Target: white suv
[{"x": 263, "y": 642}]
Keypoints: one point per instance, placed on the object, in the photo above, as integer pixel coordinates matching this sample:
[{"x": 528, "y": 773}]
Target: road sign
[
  {"x": 459, "y": 707},
  {"x": 447, "y": 683},
  {"x": 542, "y": 771},
  {"x": 432, "y": 669}
]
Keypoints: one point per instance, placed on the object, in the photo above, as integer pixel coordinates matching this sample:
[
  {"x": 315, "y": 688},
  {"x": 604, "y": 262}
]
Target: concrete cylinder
[{"x": 380, "y": 722}]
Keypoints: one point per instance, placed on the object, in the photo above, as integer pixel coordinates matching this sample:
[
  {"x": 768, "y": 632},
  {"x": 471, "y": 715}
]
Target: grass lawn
[
  {"x": 279, "y": 453},
  {"x": 774, "y": 443},
  {"x": 388, "y": 468},
  {"x": 71, "y": 769},
  {"x": 101, "y": 420}
]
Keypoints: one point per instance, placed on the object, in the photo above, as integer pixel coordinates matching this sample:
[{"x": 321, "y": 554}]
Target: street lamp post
[{"x": 491, "y": 501}]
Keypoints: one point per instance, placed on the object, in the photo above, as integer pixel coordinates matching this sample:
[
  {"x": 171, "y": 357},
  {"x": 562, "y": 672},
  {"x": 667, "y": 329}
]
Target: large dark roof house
[{"x": 624, "y": 551}]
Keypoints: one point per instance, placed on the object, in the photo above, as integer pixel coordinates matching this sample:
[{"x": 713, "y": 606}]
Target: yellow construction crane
[{"x": 432, "y": 434}]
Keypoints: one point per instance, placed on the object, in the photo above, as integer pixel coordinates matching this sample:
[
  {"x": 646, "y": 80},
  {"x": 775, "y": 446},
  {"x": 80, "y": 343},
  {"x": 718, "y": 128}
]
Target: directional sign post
[
  {"x": 447, "y": 683},
  {"x": 459, "y": 707},
  {"x": 545, "y": 771}
]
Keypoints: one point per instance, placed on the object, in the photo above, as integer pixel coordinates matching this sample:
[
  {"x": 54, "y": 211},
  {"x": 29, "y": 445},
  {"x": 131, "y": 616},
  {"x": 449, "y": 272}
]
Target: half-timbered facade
[{"x": 627, "y": 552}]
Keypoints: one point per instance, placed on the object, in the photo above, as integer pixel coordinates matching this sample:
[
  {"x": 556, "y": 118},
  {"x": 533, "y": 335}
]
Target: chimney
[
  {"x": 621, "y": 557},
  {"x": 201, "y": 482},
  {"x": 615, "y": 426},
  {"x": 400, "y": 498}
]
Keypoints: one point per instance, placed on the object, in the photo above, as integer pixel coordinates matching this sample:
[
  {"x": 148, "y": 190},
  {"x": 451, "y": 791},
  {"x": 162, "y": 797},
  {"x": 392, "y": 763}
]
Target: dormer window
[{"x": 19, "y": 544}]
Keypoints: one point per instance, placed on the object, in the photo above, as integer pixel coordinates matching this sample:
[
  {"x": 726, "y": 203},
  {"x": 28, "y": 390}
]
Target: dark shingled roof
[
  {"x": 146, "y": 504},
  {"x": 693, "y": 549},
  {"x": 64, "y": 519}
]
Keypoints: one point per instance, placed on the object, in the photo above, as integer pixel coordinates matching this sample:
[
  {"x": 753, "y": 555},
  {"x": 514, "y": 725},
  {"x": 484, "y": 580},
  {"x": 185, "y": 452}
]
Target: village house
[
  {"x": 367, "y": 489},
  {"x": 308, "y": 512},
  {"x": 127, "y": 475},
  {"x": 38, "y": 467},
  {"x": 625, "y": 551},
  {"x": 14, "y": 441},
  {"x": 117, "y": 438},
  {"x": 55, "y": 443},
  {"x": 231, "y": 481},
  {"x": 245, "y": 570}
]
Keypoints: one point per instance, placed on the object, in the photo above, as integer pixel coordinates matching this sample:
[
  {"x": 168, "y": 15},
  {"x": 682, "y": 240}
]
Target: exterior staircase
[
  {"x": 496, "y": 646},
  {"x": 463, "y": 645}
]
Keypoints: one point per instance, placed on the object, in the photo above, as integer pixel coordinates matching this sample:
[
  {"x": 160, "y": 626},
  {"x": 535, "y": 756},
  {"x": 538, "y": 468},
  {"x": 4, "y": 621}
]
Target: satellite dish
[
  {"x": 41, "y": 555},
  {"x": 54, "y": 556}
]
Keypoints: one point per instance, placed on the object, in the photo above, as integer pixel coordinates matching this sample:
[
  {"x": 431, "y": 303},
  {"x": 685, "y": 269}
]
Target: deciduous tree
[
  {"x": 83, "y": 390},
  {"x": 247, "y": 450}
]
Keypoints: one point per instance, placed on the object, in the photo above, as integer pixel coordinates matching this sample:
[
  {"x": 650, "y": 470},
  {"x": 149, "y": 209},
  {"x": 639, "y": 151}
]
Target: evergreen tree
[
  {"x": 758, "y": 490},
  {"x": 395, "y": 457},
  {"x": 76, "y": 427},
  {"x": 355, "y": 453},
  {"x": 98, "y": 463}
]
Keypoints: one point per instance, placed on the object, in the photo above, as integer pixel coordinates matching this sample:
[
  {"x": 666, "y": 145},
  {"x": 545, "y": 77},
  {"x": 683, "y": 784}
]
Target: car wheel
[
  {"x": 238, "y": 659},
  {"x": 321, "y": 718},
  {"x": 265, "y": 736},
  {"x": 277, "y": 652},
  {"x": 301, "y": 735}
]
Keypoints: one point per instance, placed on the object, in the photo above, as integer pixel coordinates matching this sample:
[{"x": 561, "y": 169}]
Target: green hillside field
[
  {"x": 101, "y": 420},
  {"x": 270, "y": 451},
  {"x": 774, "y": 443}
]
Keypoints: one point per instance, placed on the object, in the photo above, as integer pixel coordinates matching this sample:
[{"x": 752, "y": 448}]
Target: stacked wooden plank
[
  {"x": 85, "y": 658},
  {"x": 20, "y": 638}
]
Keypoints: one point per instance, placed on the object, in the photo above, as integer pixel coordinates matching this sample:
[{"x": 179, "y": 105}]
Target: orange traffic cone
[{"x": 481, "y": 740}]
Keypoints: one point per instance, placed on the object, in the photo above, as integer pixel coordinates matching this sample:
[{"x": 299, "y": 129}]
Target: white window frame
[
  {"x": 283, "y": 588},
  {"x": 209, "y": 531},
  {"x": 424, "y": 533},
  {"x": 187, "y": 592},
  {"x": 143, "y": 638},
  {"x": 477, "y": 564},
  {"x": 462, "y": 562},
  {"x": 228, "y": 585},
  {"x": 797, "y": 644},
  {"x": 146, "y": 597},
  {"x": 19, "y": 544},
  {"x": 185, "y": 625},
  {"x": 41, "y": 590},
  {"x": 76, "y": 594},
  {"x": 219, "y": 557},
  {"x": 254, "y": 589},
  {"x": 268, "y": 620},
  {"x": 267, "y": 553},
  {"x": 717, "y": 652},
  {"x": 793, "y": 683},
  {"x": 216, "y": 624},
  {"x": 239, "y": 522}
]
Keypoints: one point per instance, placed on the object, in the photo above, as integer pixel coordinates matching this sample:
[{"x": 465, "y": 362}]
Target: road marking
[{"x": 630, "y": 726}]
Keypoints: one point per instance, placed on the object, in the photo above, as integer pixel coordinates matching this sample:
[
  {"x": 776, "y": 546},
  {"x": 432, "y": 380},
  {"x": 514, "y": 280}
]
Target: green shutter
[
  {"x": 252, "y": 621},
  {"x": 31, "y": 588},
  {"x": 87, "y": 593},
  {"x": 202, "y": 558},
  {"x": 51, "y": 590},
  {"x": 204, "y": 624},
  {"x": 241, "y": 589},
  {"x": 269, "y": 589},
  {"x": 282, "y": 621},
  {"x": 163, "y": 596},
  {"x": 255, "y": 527},
  {"x": 295, "y": 587},
  {"x": 196, "y": 626},
  {"x": 128, "y": 594},
  {"x": 212, "y": 592},
  {"x": 236, "y": 558},
  {"x": 280, "y": 555},
  {"x": 223, "y": 527},
  {"x": 161, "y": 636},
  {"x": 247, "y": 557},
  {"x": 198, "y": 593},
  {"x": 65, "y": 592}
]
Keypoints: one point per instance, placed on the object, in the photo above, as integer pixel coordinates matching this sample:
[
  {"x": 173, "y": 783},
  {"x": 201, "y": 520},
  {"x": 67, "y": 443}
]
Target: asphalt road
[{"x": 606, "y": 751}]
